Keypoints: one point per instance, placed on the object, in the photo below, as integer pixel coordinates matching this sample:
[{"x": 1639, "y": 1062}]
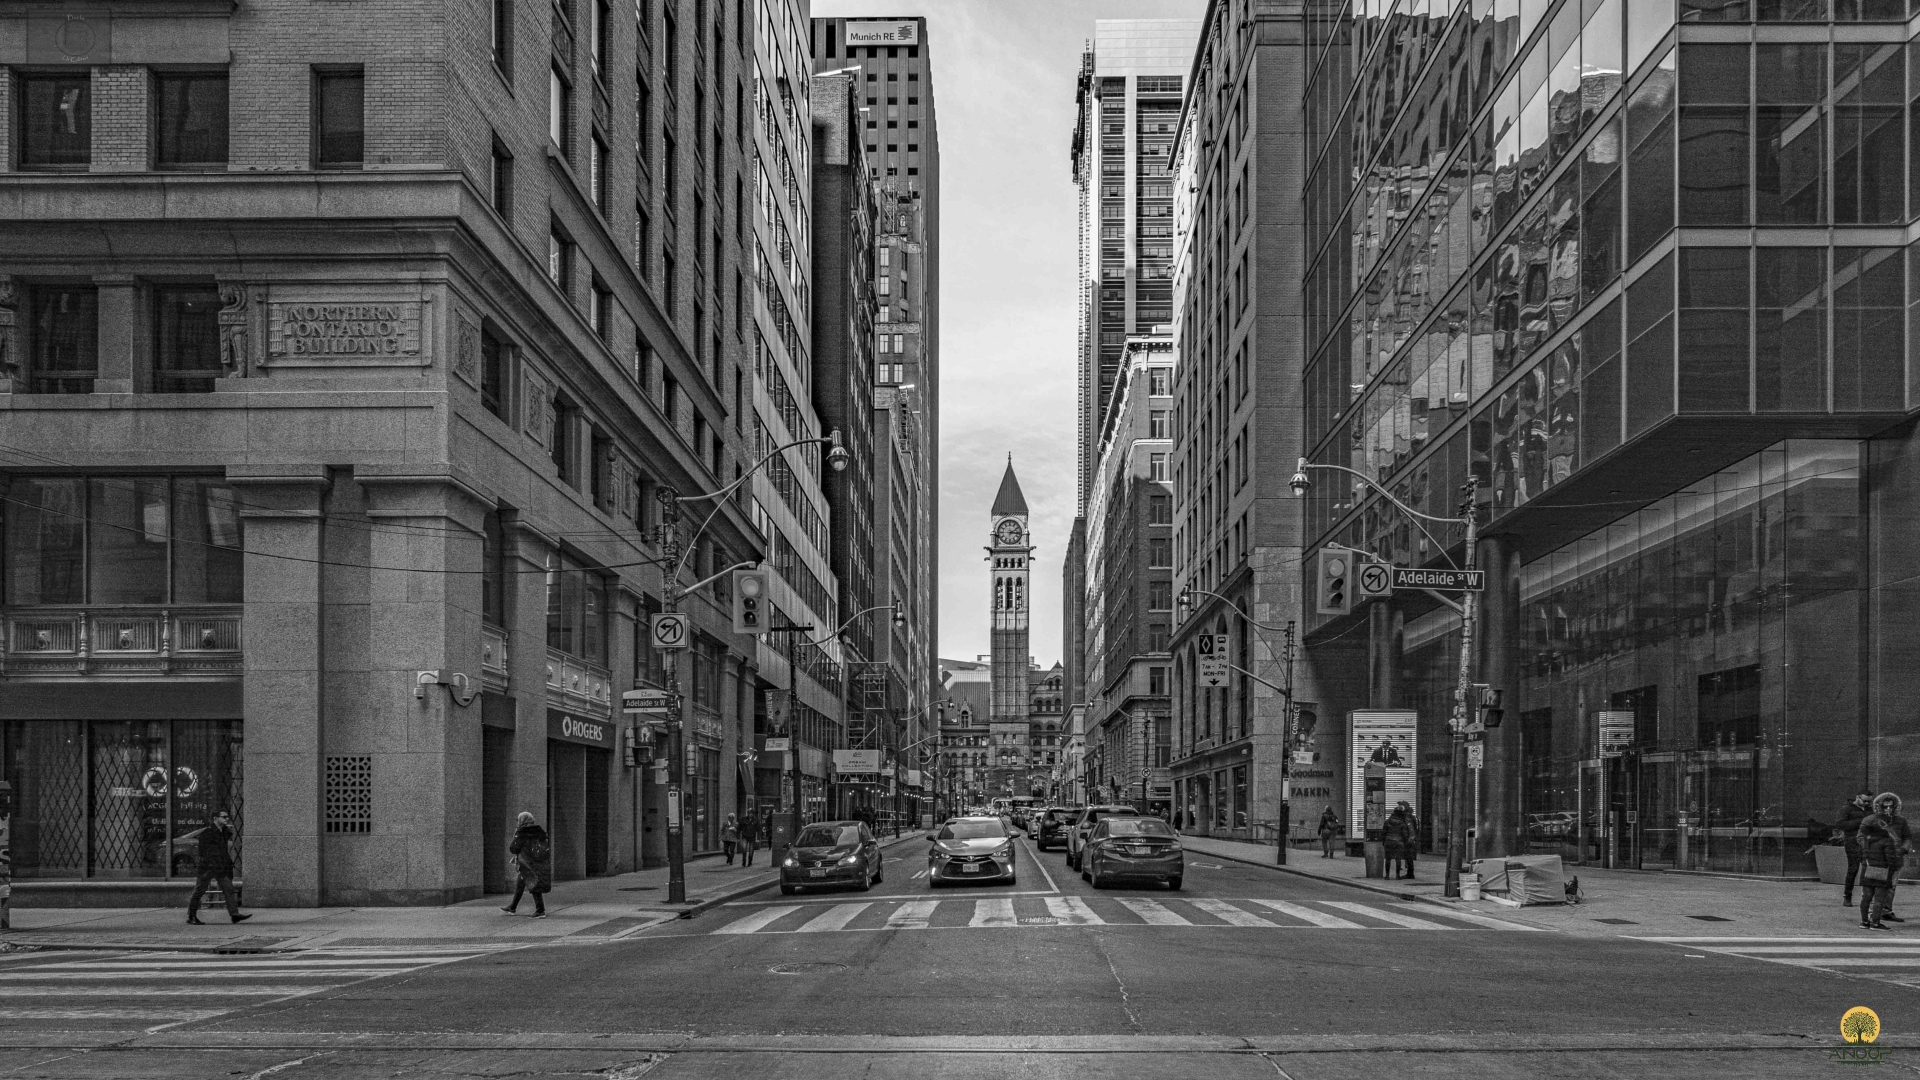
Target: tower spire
[{"x": 1009, "y": 501}]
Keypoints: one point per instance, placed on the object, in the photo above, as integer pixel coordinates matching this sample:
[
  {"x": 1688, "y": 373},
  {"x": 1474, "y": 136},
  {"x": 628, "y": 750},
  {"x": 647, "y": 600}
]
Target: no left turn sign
[
  {"x": 1376, "y": 579},
  {"x": 669, "y": 630}
]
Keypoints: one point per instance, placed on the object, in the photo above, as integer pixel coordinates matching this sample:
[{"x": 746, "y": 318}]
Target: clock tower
[{"x": 1009, "y": 551}]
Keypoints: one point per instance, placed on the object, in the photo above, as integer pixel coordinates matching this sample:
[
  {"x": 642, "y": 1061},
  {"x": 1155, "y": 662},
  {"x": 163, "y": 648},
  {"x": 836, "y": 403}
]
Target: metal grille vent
[{"x": 350, "y": 794}]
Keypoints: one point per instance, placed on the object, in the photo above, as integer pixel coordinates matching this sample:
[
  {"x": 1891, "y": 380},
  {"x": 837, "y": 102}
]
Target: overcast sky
[{"x": 1003, "y": 77}]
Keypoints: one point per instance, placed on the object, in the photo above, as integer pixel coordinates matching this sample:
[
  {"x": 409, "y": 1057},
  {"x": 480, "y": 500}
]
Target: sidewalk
[
  {"x": 585, "y": 911},
  {"x": 1630, "y": 903}
]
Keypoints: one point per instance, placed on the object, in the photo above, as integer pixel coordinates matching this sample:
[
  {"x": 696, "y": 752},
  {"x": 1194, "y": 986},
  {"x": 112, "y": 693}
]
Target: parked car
[
  {"x": 832, "y": 853},
  {"x": 970, "y": 849},
  {"x": 1136, "y": 848},
  {"x": 1082, "y": 825},
  {"x": 1053, "y": 825}
]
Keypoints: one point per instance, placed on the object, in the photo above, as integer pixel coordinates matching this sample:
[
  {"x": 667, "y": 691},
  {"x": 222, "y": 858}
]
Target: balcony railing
[
  {"x": 120, "y": 641},
  {"x": 578, "y": 686}
]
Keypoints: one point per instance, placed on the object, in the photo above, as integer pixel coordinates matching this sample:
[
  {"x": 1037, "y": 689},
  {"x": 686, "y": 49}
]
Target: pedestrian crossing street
[
  {"x": 1028, "y": 911},
  {"x": 1891, "y": 959},
  {"x": 72, "y": 989}
]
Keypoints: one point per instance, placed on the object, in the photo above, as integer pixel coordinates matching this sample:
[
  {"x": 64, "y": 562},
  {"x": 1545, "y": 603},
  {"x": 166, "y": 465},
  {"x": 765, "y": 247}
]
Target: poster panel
[{"x": 1387, "y": 736}]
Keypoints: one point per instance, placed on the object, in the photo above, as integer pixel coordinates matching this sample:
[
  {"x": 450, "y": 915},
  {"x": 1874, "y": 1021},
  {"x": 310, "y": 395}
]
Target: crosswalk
[
  {"x": 1890, "y": 959},
  {"x": 1029, "y": 911},
  {"x": 154, "y": 990}
]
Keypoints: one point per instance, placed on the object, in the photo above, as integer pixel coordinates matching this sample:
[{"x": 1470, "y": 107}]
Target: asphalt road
[{"x": 1245, "y": 972}]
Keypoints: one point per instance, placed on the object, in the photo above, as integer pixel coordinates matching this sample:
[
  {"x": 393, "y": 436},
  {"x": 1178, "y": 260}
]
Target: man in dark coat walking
[
  {"x": 1849, "y": 829},
  {"x": 215, "y": 866},
  {"x": 532, "y": 853},
  {"x": 749, "y": 836}
]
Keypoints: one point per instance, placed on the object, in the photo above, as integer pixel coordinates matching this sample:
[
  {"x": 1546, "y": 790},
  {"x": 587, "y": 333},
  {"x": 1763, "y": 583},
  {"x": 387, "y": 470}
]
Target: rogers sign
[{"x": 574, "y": 729}]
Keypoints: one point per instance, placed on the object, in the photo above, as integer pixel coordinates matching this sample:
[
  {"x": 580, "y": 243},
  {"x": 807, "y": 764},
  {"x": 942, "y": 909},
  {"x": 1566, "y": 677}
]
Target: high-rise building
[
  {"x": 893, "y": 62},
  {"x": 1009, "y": 553},
  {"x": 1129, "y": 585},
  {"x": 1128, "y": 102},
  {"x": 1236, "y": 410},
  {"x": 1644, "y": 277},
  {"x": 347, "y": 468}
]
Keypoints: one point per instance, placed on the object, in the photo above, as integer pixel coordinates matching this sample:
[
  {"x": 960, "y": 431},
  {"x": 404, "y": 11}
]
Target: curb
[{"x": 1383, "y": 890}]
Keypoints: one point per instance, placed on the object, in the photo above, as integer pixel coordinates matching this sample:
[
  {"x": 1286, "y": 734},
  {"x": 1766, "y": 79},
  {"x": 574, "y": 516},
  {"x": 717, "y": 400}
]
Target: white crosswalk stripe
[
  {"x": 1029, "y": 911},
  {"x": 163, "y": 989},
  {"x": 1890, "y": 959}
]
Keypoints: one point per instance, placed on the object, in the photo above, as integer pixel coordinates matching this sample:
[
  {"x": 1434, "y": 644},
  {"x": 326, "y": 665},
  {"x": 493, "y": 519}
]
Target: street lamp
[
  {"x": 675, "y": 556},
  {"x": 1469, "y": 612}
]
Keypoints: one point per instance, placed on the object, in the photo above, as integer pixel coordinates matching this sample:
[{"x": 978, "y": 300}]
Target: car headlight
[
  {"x": 1004, "y": 851},
  {"x": 851, "y": 859},
  {"x": 791, "y": 861}
]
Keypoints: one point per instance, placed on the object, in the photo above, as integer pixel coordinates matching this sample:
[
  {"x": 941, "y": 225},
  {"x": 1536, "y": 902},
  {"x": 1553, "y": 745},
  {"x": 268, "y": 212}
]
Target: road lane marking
[
  {"x": 147, "y": 991},
  {"x": 1154, "y": 912},
  {"x": 1487, "y": 921},
  {"x": 278, "y": 973},
  {"x": 1072, "y": 911},
  {"x": 1371, "y": 912},
  {"x": 993, "y": 913},
  {"x": 1309, "y": 915},
  {"x": 180, "y": 1015},
  {"x": 1040, "y": 863},
  {"x": 912, "y": 916},
  {"x": 1229, "y": 914},
  {"x": 757, "y": 920},
  {"x": 834, "y": 918}
]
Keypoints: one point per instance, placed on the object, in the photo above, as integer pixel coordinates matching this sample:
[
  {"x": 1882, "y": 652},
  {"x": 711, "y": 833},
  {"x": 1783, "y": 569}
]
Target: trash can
[{"x": 1469, "y": 888}]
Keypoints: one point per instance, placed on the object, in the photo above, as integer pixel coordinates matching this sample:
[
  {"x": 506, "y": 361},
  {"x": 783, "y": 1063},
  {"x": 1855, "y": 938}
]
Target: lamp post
[
  {"x": 674, "y": 556},
  {"x": 1286, "y": 693},
  {"x": 1457, "y": 804}
]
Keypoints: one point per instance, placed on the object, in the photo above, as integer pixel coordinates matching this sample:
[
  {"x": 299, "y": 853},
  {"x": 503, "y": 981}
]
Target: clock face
[{"x": 1009, "y": 532}]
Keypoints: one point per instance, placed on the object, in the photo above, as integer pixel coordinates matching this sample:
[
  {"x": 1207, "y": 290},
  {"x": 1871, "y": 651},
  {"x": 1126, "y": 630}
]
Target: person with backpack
[
  {"x": 532, "y": 853},
  {"x": 1329, "y": 831},
  {"x": 749, "y": 832}
]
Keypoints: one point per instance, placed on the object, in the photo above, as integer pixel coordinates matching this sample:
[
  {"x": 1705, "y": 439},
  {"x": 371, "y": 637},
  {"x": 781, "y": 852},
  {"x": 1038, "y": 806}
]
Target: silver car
[{"x": 970, "y": 849}]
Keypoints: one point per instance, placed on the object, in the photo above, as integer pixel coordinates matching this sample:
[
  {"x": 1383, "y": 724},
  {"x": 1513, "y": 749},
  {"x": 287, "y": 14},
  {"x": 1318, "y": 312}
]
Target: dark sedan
[
  {"x": 832, "y": 853},
  {"x": 1133, "y": 848},
  {"x": 1053, "y": 825}
]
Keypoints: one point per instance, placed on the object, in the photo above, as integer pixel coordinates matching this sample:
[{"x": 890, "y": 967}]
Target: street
[{"x": 1244, "y": 972}]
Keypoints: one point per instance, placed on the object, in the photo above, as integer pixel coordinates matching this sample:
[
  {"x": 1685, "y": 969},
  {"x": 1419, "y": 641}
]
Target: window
[
  {"x": 191, "y": 120},
  {"x": 886, "y": 285},
  {"x": 559, "y": 110},
  {"x": 600, "y": 470},
  {"x": 1159, "y": 550},
  {"x": 642, "y": 239},
  {"x": 493, "y": 570},
  {"x": 1157, "y": 424},
  {"x": 561, "y": 444},
  {"x": 600, "y": 309},
  {"x": 1160, "y": 596},
  {"x": 496, "y": 359},
  {"x": 503, "y": 37},
  {"x": 186, "y": 339},
  {"x": 576, "y": 609},
  {"x": 558, "y": 259},
  {"x": 63, "y": 338},
  {"x": 339, "y": 119},
  {"x": 501, "y": 181},
  {"x": 122, "y": 540},
  {"x": 1157, "y": 382},
  {"x": 597, "y": 36},
  {"x": 1157, "y": 681},
  {"x": 596, "y": 172},
  {"x": 56, "y": 113},
  {"x": 1157, "y": 467}
]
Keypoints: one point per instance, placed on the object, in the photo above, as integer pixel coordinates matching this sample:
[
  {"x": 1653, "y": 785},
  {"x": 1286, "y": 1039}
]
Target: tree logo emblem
[{"x": 1860, "y": 1025}]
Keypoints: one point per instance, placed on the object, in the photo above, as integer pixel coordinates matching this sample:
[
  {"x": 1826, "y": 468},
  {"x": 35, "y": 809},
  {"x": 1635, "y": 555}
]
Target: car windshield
[
  {"x": 1138, "y": 826},
  {"x": 828, "y": 836},
  {"x": 971, "y": 830}
]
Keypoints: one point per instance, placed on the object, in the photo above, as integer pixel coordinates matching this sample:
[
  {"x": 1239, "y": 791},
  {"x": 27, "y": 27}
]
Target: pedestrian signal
[
  {"x": 1490, "y": 711},
  {"x": 749, "y": 601},
  {"x": 1334, "y": 571}
]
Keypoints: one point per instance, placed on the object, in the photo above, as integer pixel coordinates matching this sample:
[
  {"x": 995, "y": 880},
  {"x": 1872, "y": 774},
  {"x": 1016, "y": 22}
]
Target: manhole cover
[
  {"x": 1709, "y": 918},
  {"x": 1039, "y": 920},
  {"x": 806, "y": 969},
  {"x": 639, "y": 888}
]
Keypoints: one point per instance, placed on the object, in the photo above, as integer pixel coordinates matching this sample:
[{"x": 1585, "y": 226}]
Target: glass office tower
[{"x": 1644, "y": 271}]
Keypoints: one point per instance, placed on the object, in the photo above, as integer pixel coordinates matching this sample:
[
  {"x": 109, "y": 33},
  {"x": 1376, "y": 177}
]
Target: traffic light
[
  {"x": 749, "y": 601},
  {"x": 1490, "y": 711},
  {"x": 1334, "y": 571}
]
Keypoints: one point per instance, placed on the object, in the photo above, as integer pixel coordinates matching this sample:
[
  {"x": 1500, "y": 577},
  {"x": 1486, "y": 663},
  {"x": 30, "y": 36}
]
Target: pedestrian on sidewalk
[
  {"x": 730, "y": 837},
  {"x": 215, "y": 866},
  {"x": 749, "y": 833},
  {"x": 1329, "y": 829},
  {"x": 1848, "y": 829},
  {"x": 1398, "y": 835},
  {"x": 1881, "y": 857},
  {"x": 1886, "y": 815},
  {"x": 532, "y": 852}
]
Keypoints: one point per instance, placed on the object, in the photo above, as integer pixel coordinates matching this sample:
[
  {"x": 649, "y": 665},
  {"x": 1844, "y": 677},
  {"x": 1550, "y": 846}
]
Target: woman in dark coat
[
  {"x": 1329, "y": 829},
  {"x": 1398, "y": 837},
  {"x": 533, "y": 865}
]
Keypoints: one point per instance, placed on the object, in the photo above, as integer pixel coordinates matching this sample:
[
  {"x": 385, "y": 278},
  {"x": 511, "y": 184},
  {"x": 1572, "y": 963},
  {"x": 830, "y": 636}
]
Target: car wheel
[
  {"x": 880, "y": 872},
  {"x": 1085, "y": 875},
  {"x": 866, "y": 880},
  {"x": 1173, "y": 883},
  {"x": 787, "y": 890},
  {"x": 1097, "y": 879}
]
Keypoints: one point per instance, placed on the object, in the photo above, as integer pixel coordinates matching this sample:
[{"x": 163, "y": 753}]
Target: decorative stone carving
[
  {"x": 235, "y": 312},
  {"x": 466, "y": 350}
]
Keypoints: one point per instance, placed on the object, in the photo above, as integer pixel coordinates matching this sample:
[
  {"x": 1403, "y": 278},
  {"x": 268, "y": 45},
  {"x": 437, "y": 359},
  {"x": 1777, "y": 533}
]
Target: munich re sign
[
  {"x": 345, "y": 330},
  {"x": 883, "y": 32}
]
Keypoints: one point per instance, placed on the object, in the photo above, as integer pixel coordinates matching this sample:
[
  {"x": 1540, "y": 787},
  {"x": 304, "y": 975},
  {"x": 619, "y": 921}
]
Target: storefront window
[
  {"x": 122, "y": 540},
  {"x": 118, "y": 799}
]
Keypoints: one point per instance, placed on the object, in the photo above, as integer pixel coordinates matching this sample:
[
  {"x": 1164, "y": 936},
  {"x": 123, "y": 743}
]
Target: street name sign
[
  {"x": 1212, "y": 651},
  {"x": 778, "y": 746},
  {"x": 1458, "y": 580},
  {"x": 669, "y": 630},
  {"x": 646, "y": 701}
]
